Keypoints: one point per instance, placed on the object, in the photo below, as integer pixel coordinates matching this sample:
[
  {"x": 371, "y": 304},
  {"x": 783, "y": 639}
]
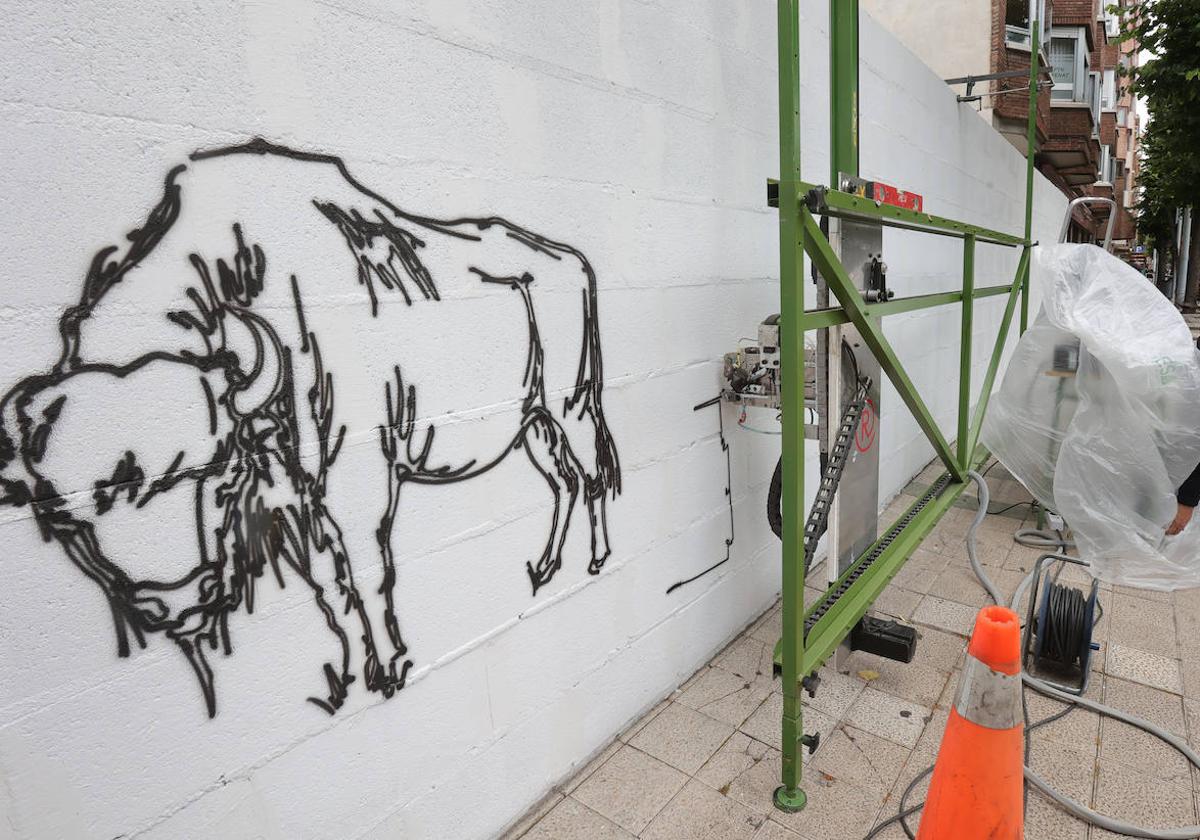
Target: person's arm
[{"x": 1188, "y": 496}]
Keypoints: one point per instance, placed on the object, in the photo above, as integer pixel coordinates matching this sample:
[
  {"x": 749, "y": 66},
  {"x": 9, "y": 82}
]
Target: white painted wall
[
  {"x": 954, "y": 38},
  {"x": 641, "y": 133}
]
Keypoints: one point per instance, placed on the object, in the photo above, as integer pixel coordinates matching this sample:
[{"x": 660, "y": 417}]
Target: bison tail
[
  {"x": 608, "y": 465},
  {"x": 589, "y": 387}
]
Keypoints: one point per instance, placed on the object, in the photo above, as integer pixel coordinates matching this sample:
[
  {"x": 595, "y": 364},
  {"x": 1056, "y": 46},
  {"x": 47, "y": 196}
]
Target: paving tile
[
  {"x": 1046, "y": 821},
  {"x": 1121, "y": 743},
  {"x": 920, "y": 571},
  {"x": 769, "y": 628},
  {"x": 899, "y": 721},
  {"x": 897, "y": 603},
  {"x": 894, "y": 831},
  {"x": 1071, "y": 771},
  {"x": 1191, "y": 679},
  {"x": 858, "y": 757},
  {"x": 1141, "y": 624},
  {"x": 682, "y": 737},
  {"x": 1144, "y": 594},
  {"x": 700, "y": 813},
  {"x": 834, "y": 809},
  {"x": 725, "y": 696},
  {"x": 1142, "y": 667},
  {"x": 630, "y": 788},
  {"x": 756, "y": 784},
  {"x": 637, "y": 725},
  {"x": 945, "y": 615},
  {"x": 1136, "y": 798},
  {"x": 1159, "y": 707},
  {"x": 961, "y": 586},
  {"x": 774, "y": 831},
  {"x": 571, "y": 820},
  {"x": 914, "y": 681},
  {"x": 836, "y": 692},
  {"x": 532, "y": 816},
  {"x": 747, "y": 657},
  {"x": 939, "y": 649},
  {"x": 735, "y": 757},
  {"x": 1022, "y": 558},
  {"x": 764, "y": 724},
  {"x": 591, "y": 767},
  {"x": 1076, "y": 729}
]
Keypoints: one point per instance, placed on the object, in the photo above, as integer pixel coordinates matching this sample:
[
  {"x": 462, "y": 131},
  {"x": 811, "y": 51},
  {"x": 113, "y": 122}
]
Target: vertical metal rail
[
  {"x": 965, "y": 445},
  {"x": 843, "y": 89},
  {"x": 1030, "y": 144},
  {"x": 789, "y": 796}
]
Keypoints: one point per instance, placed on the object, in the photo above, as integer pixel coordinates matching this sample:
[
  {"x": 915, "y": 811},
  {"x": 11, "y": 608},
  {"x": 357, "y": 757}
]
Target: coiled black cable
[{"x": 1067, "y": 626}]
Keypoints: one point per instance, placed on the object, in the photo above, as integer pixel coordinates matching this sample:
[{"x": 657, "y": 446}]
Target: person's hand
[{"x": 1183, "y": 515}]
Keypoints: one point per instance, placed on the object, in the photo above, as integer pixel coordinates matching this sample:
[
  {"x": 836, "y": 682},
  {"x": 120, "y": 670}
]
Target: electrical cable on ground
[{"x": 1071, "y": 806}]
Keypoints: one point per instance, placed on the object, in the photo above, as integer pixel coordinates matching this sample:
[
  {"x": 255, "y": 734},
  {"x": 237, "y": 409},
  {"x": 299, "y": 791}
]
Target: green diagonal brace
[{"x": 822, "y": 255}]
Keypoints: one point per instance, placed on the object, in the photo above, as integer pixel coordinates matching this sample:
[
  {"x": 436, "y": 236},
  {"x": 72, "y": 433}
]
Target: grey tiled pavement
[{"x": 703, "y": 763}]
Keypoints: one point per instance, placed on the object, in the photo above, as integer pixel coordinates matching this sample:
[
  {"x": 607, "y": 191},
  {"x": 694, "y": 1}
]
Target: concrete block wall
[{"x": 196, "y": 513}]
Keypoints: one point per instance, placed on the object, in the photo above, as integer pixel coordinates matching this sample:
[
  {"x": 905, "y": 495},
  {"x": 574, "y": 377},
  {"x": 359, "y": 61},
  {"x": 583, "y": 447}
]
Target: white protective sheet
[{"x": 1106, "y": 446}]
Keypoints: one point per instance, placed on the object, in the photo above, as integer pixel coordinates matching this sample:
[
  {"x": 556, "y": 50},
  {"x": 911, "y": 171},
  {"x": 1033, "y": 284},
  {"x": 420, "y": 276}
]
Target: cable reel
[{"x": 1057, "y": 642}]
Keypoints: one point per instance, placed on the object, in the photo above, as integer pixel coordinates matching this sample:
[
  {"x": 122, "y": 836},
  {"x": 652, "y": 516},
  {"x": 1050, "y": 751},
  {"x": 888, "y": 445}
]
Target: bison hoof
[
  {"x": 539, "y": 576},
  {"x": 597, "y": 563}
]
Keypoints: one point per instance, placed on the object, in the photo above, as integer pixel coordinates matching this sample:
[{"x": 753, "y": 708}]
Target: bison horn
[{"x": 251, "y": 337}]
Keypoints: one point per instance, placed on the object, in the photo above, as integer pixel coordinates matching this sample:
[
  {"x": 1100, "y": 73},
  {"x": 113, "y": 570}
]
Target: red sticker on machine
[{"x": 864, "y": 438}]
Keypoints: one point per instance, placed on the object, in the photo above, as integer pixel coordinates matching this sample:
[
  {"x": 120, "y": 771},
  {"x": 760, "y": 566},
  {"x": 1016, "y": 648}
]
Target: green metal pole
[
  {"x": 1030, "y": 145},
  {"x": 843, "y": 89},
  {"x": 789, "y": 796},
  {"x": 964, "y": 370}
]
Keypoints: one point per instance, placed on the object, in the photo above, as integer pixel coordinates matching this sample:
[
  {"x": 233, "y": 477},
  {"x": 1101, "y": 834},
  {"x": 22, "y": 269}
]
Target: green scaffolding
[{"x": 811, "y": 635}]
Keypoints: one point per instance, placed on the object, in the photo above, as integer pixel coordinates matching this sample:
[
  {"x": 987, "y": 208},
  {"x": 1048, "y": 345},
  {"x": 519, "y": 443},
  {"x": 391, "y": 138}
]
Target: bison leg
[
  {"x": 597, "y": 505},
  {"x": 397, "y": 475},
  {"x": 546, "y": 445}
]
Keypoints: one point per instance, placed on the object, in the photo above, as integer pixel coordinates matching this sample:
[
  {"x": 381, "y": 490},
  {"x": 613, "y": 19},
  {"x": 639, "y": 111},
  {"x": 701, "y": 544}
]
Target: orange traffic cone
[{"x": 977, "y": 782}]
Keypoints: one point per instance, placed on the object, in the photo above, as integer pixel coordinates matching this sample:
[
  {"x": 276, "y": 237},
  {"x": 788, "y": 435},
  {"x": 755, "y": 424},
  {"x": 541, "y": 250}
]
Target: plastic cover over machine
[{"x": 1099, "y": 416}]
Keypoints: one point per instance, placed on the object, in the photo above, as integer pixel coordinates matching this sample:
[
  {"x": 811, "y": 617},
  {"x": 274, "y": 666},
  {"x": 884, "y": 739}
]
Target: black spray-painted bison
[{"x": 270, "y": 315}]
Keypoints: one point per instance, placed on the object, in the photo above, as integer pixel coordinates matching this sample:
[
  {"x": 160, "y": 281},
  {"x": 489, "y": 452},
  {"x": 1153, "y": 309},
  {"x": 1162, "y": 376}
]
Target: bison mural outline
[{"x": 248, "y": 267}]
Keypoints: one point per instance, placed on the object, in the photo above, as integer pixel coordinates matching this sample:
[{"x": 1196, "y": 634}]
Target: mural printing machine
[{"x": 842, "y": 385}]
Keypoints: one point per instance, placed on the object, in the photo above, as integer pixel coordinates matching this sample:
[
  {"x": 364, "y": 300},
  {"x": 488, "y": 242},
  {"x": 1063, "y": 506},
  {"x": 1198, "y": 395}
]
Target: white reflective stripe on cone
[{"x": 988, "y": 698}]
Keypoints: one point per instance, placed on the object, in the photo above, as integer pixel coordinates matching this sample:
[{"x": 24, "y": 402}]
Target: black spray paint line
[
  {"x": 728, "y": 493},
  {"x": 259, "y": 507}
]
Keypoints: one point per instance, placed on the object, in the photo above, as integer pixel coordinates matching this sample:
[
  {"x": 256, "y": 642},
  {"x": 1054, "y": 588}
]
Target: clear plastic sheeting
[{"x": 1099, "y": 416}]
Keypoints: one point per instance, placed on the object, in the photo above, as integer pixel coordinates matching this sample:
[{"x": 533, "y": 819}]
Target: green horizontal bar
[
  {"x": 843, "y": 204},
  {"x": 836, "y": 200},
  {"x": 815, "y": 319},
  {"x": 989, "y": 291},
  {"x": 836, "y": 624}
]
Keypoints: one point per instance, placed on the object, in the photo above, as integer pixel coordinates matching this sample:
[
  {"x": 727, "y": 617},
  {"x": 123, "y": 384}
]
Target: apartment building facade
[{"x": 1087, "y": 122}]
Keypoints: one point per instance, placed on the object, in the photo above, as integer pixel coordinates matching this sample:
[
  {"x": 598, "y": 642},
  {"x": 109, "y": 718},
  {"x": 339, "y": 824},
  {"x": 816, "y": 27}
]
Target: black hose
[{"x": 775, "y": 498}]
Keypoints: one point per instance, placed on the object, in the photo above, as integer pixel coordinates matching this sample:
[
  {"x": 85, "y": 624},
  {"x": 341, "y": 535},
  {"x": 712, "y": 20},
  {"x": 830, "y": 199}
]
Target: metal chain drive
[{"x": 818, "y": 517}]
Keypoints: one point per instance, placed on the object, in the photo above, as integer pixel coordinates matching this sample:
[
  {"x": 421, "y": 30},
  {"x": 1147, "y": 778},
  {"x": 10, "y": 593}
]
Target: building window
[
  {"x": 1112, "y": 24},
  {"x": 1069, "y": 64},
  {"x": 1122, "y": 116},
  {"x": 1107, "y": 165},
  {"x": 1108, "y": 94},
  {"x": 1016, "y": 22},
  {"x": 1093, "y": 101}
]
